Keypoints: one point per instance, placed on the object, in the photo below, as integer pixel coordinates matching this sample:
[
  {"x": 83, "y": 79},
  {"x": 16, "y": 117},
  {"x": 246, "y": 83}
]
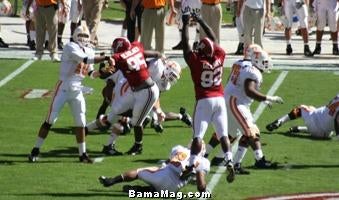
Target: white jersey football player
[
  {"x": 165, "y": 177},
  {"x": 320, "y": 122},
  {"x": 298, "y": 7},
  {"x": 164, "y": 74},
  {"x": 76, "y": 62},
  {"x": 242, "y": 88},
  {"x": 326, "y": 12}
]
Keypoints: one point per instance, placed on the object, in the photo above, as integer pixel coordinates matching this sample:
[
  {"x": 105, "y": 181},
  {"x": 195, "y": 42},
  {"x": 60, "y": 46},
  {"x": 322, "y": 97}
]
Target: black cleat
[
  {"x": 317, "y": 50},
  {"x": 46, "y": 44},
  {"x": 289, "y": 50},
  {"x": 307, "y": 51},
  {"x": 293, "y": 129},
  {"x": 3, "y": 44},
  {"x": 264, "y": 164},
  {"x": 335, "y": 51},
  {"x": 240, "y": 49},
  {"x": 274, "y": 125},
  {"x": 239, "y": 170},
  {"x": 135, "y": 149},
  {"x": 230, "y": 171},
  {"x": 34, "y": 156},
  {"x": 32, "y": 45},
  {"x": 110, "y": 150},
  {"x": 217, "y": 161},
  {"x": 84, "y": 158},
  {"x": 187, "y": 173},
  {"x": 158, "y": 127},
  {"x": 106, "y": 181},
  {"x": 146, "y": 121},
  {"x": 186, "y": 118},
  {"x": 60, "y": 45}
]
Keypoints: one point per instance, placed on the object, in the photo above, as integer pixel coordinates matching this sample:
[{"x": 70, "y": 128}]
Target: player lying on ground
[
  {"x": 320, "y": 122},
  {"x": 165, "y": 177}
]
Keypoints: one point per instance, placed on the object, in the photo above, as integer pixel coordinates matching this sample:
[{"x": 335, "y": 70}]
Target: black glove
[
  {"x": 185, "y": 19},
  {"x": 196, "y": 17}
]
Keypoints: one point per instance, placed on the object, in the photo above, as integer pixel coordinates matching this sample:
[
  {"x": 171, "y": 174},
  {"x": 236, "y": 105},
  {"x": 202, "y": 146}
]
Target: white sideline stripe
[
  {"x": 303, "y": 196},
  {"x": 216, "y": 177},
  {"x": 16, "y": 72},
  {"x": 99, "y": 159}
]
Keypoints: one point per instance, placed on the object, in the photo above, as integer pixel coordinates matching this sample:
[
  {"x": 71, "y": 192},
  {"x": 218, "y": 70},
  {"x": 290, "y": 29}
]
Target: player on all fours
[
  {"x": 206, "y": 66},
  {"x": 76, "y": 62},
  {"x": 320, "y": 122},
  {"x": 165, "y": 177},
  {"x": 242, "y": 88}
]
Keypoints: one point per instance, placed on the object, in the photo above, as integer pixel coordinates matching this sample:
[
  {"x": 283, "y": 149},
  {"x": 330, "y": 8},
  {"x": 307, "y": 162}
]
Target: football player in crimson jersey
[
  {"x": 76, "y": 62},
  {"x": 206, "y": 65},
  {"x": 130, "y": 60},
  {"x": 320, "y": 122}
]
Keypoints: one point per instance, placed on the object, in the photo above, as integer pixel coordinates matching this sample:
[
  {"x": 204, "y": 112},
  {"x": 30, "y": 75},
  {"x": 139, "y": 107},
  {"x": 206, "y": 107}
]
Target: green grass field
[{"x": 306, "y": 165}]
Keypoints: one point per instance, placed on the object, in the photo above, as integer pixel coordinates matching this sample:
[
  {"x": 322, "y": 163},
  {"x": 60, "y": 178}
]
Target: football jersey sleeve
[
  {"x": 77, "y": 54},
  {"x": 192, "y": 58}
]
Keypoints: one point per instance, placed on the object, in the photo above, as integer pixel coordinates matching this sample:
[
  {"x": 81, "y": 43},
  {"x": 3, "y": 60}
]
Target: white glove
[
  {"x": 275, "y": 99},
  {"x": 161, "y": 115},
  {"x": 268, "y": 103}
]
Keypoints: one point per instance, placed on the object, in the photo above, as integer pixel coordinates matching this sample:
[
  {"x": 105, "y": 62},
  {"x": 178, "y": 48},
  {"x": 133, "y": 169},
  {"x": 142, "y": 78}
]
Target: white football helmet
[
  {"x": 81, "y": 35},
  {"x": 5, "y": 8},
  {"x": 172, "y": 71},
  {"x": 262, "y": 60},
  {"x": 250, "y": 50}
]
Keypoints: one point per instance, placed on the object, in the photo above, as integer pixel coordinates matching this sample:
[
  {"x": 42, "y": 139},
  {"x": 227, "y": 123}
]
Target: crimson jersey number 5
[
  {"x": 210, "y": 78},
  {"x": 134, "y": 62}
]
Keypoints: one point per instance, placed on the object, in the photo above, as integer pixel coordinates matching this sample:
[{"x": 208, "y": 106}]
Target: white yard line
[
  {"x": 16, "y": 72},
  {"x": 216, "y": 177}
]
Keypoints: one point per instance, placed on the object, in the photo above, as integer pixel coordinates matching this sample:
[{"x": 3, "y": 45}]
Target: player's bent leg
[
  {"x": 80, "y": 137},
  {"x": 295, "y": 113},
  {"x": 43, "y": 132}
]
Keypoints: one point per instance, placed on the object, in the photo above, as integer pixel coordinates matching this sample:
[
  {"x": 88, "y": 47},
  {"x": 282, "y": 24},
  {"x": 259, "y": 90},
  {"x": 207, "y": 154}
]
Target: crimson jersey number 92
[{"x": 210, "y": 78}]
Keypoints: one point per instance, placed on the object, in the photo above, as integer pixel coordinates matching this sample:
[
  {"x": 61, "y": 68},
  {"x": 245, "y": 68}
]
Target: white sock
[
  {"x": 258, "y": 154},
  {"x": 39, "y": 142},
  {"x": 82, "y": 148},
  {"x": 111, "y": 139},
  {"x": 123, "y": 32},
  {"x": 46, "y": 36},
  {"x": 284, "y": 119},
  {"x": 228, "y": 155},
  {"x": 32, "y": 35},
  {"x": 239, "y": 156}
]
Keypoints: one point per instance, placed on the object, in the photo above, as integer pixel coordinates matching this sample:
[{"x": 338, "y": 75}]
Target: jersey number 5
[{"x": 211, "y": 78}]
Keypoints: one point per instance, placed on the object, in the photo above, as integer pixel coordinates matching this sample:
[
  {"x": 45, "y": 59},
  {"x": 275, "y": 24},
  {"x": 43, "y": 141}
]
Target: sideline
[
  {"x": 16, "y": 72},
  {"x": 216, "y": 177}
]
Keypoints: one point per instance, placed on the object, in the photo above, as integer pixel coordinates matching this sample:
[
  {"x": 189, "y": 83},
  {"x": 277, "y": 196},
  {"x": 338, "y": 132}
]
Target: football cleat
[
  {"x": 265, "y": 164},
  {"x": 84, "y": 158},
  {"x": 105, "y": 181},
  {"x": 317, "y": 50},
  {"x": 188, "y": 172},
  {"x": 230, "y": 171},
  {"x": 274, "y": 125},
  {"x": 186, "y": 118},
  {"x": 307, "y": 51},
  {"x": 3, "y": 44},
  {"x": 135, "y": 149},
  {"x": 146, "y": 121},
  {"x": 239, "y": 170},
  {"x": 335, "y": 51},
  {"x": 110, "y": 150},
  {"x": 158, "y": 127},
  {"x": 289, "y": 50},
  {"x": 179, "y": 46},
  {"x": 217, "y": 161},
  {"x": 34, "y": 156},
  {"x": 293, "y": 129}
]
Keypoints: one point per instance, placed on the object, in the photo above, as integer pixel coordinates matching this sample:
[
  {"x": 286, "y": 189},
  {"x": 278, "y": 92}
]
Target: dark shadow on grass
[
  {"x": 70, "y": 131},
  {"x": 149, "y": 161},
  {"x": 297, "y": 135}
]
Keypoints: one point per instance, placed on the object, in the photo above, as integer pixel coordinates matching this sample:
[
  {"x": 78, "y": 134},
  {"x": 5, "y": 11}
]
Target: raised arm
[
  {"x": 152, "y": 54},
  {"x": 185, "y": 36},
  {"x": 209, "y": 32},
  {"x": 252, "y": 92}
]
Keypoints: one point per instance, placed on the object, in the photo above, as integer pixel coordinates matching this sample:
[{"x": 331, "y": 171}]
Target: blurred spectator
[
  {"x": 153, "y": 18},
  {"x": 3, "y": 44},
  {"x": 30, "y": 23},
  {"x": 76, "y": 14},
  {"x": 133, "y": 16},
  {"x": 298, "y": 7},
  {"x": 326, "y": 11},
  {"x": 46, "y": 18},
  {"x": 92, "y": 13},
  {"x": 211, "y": 13},
  {"x": 253, "y": 18},
  {"x": 239, "y": 10},
  {"x": 63, "y": 17}
]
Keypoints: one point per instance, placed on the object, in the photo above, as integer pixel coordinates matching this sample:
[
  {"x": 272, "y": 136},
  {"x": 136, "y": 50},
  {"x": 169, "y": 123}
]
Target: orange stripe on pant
[
  {"x": 57, "y": 87},
  {"x": 237, "y": 114}
]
